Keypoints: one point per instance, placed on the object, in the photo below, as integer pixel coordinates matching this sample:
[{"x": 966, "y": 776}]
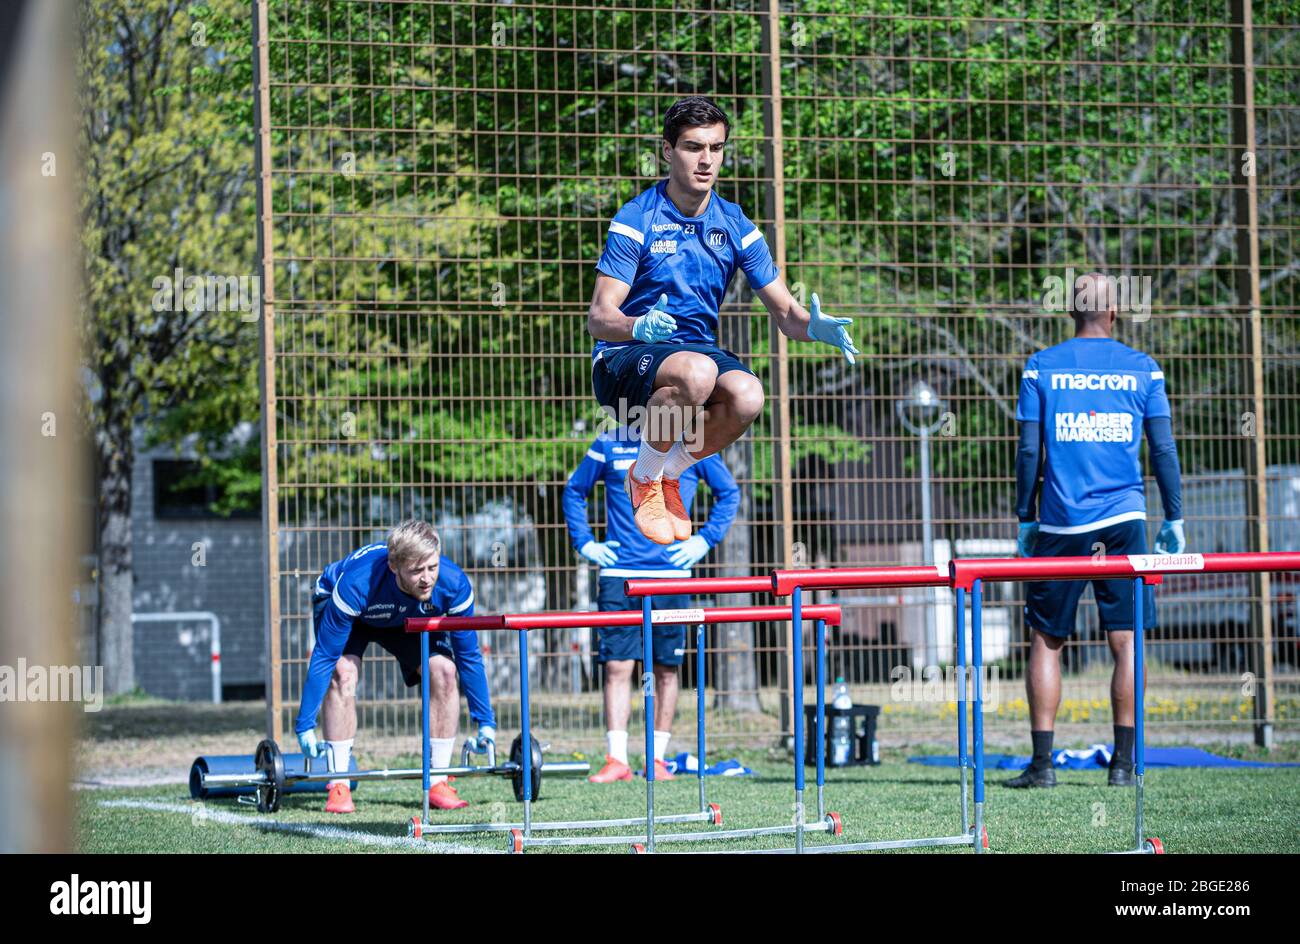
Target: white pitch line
[{"x": 201, "y": 814}]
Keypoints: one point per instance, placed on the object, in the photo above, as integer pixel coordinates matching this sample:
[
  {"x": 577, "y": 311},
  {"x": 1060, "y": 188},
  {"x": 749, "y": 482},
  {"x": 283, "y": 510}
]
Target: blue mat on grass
[
  {"x": 685, "y": 763},
  {"x": 1098, "y": 755}
]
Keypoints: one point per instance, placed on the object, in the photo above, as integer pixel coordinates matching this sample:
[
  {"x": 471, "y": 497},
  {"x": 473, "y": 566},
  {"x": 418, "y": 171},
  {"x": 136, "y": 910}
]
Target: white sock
[
  {"x": 337, "y": 754},
  {"x": 440, "y": 755},
  {"x": 649, "y": 463},
  {"x": 678, "y": 461},
  {"x": 616, "y": 745},
  {"x": 661, "y": 743}
]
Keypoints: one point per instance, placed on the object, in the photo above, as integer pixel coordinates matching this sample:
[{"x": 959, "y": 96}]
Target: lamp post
[{"x": 921, "y": 412}]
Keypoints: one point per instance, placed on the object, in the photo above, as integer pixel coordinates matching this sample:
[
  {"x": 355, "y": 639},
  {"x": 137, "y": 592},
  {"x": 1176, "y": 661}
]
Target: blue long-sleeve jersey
[
  {"x": 1091, "y": 398},
  {"x": 607, "y": 461},
  {"x": 362, "y": 587}
]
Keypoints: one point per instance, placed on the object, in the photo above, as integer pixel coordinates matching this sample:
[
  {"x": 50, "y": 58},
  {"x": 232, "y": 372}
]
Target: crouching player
[{"x": 367, "y": 598}]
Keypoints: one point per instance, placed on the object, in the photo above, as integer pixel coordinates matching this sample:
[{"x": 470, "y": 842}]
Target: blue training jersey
[
  {"x": 1091, "y": 397},
  {"x": 657, "y": 250},
  {"x": 607, "y": 461},
  {"x": 362, "y": 587}
]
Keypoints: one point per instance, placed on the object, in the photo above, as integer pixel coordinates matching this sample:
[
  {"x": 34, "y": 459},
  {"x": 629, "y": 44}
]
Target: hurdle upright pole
[
  {"x": 977, "y": 705},
  {"x": 699, "y": 711},
  {"x": 648, "y": 688},
  {"x": 525, "y": 733},
  {"x": 963, "y": 758},
  {"x": 426, "y": 746},
  {"x": 1139, "y": 594},
  {"x": 796, "y": 627},
  {"x": 820, "y": 733}
]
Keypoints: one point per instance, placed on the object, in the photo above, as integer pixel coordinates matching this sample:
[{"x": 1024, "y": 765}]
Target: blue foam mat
[
  {"x": 1098, "y": 755},
  {"x": 686, "y": 763}
]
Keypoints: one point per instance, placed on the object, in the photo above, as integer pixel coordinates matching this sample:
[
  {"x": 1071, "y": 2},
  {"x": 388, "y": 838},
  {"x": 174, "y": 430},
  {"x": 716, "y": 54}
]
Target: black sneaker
[
  {"x": 1033, "y": 777},
  {"x": 1120, "y": 776}
]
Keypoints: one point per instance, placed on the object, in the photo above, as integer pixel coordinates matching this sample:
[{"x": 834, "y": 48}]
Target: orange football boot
[
  {"x": 677, "y": 516},
  {"x": 340, "y": 799},
  {"x": 651, "y": 515},
  {"x": 612, "y": 771},
  {"x": 661, "y": 771},
  {"x": 443, "y": 796}
]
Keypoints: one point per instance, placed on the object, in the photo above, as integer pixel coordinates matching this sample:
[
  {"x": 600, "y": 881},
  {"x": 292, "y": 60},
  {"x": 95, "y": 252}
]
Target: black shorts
[
  {"x": 625, "y": 377},
  {"x": 401, "y": 645},
  {"x": 1050, "y": 605},
  {"x": 618, "y": 643}
]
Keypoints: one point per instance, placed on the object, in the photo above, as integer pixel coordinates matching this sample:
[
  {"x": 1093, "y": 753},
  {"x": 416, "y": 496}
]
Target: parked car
[{"x": 1205, "y": 620}]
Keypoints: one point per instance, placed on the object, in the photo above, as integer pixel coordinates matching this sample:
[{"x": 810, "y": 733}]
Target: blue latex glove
[
  {"x": 656, "y": 324},
  {"x": 1026, "y": 539},
  {"x": 830, "y": 330},
  {"x": 308, "y": 745},
  {"x": 486, "y": 735},
  {"x": 1171, "y": 539},
  {"x": 603, "y": 555},
  {"x": 686, "y": 554}
]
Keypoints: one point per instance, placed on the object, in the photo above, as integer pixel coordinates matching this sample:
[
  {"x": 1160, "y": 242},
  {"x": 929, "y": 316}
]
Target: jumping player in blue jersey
[
  {"x": 367, "y": 598},
  {"x": 625, "y": 553},
  {"x": 669, "y": 256},
  {"x": 1083, "y": 408}
]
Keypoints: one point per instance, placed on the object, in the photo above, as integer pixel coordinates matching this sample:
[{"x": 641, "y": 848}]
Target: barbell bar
[{"x": 271, "y": 778}]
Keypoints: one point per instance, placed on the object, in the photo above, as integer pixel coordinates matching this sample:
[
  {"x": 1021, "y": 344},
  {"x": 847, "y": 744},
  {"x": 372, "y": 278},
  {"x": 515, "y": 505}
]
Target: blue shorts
[
  {"x": 401, "y": 645},
  {"x": 625, "y": 377},
  {"x": 624, "y": 642},
  {"x": 1050, "y": 605}
]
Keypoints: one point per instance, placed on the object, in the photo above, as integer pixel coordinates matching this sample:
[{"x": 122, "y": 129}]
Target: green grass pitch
[{"x": 1190, "y": 810}]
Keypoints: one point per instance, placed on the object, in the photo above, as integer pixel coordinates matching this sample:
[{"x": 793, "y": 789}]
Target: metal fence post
[
  {"x": 265, "y": 257},
  {"x": 774, "y": 161},
  {"x": 1248, "y": 298}
]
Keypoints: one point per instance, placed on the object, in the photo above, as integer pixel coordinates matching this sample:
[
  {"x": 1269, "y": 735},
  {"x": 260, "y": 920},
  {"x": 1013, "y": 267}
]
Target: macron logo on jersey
[
  {"x": 1094, "y": 427},
  {"x": 1085, "y": 381}
]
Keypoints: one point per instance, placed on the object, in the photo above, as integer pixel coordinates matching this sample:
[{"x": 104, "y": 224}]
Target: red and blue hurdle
[
  {"x": 420, "y": 826},
  {"x": 1143, "y": 569},
  {"x": 521, "y": 838},
  {"x": 792, "y": 583},
  {"x": 521, "y": 833},
  {"x": 648, "y": 588}
]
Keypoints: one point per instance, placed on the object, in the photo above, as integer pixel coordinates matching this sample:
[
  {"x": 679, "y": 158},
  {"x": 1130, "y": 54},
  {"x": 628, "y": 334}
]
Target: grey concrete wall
[{"x": 172, "y": 659}]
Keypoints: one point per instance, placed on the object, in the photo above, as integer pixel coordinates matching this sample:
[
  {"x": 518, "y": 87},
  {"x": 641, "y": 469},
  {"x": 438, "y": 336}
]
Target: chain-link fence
[{"x": 436, "y": 183}]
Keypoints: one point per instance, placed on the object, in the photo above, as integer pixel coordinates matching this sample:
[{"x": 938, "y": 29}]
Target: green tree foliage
[
  {"x": 168, "y": 186},
  {"x": 440, "y": 169}
]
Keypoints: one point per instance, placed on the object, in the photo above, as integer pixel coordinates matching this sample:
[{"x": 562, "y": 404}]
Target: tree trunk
[{"x": 116, "y": 635}]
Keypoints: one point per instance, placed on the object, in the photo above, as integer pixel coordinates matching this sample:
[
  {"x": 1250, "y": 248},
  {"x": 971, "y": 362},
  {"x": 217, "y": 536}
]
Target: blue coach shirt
[
  {"x": 361, "y": 587},
  {"x": 608, "y": 460},
  {"x": 1091, "y": 396},
  {"x": 658, "y": 251}
]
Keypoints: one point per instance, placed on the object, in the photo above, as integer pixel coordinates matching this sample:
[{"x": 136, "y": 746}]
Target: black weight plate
[
  {"x": 270, "y": 763},
  {"x": 517, "y": 758}
]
